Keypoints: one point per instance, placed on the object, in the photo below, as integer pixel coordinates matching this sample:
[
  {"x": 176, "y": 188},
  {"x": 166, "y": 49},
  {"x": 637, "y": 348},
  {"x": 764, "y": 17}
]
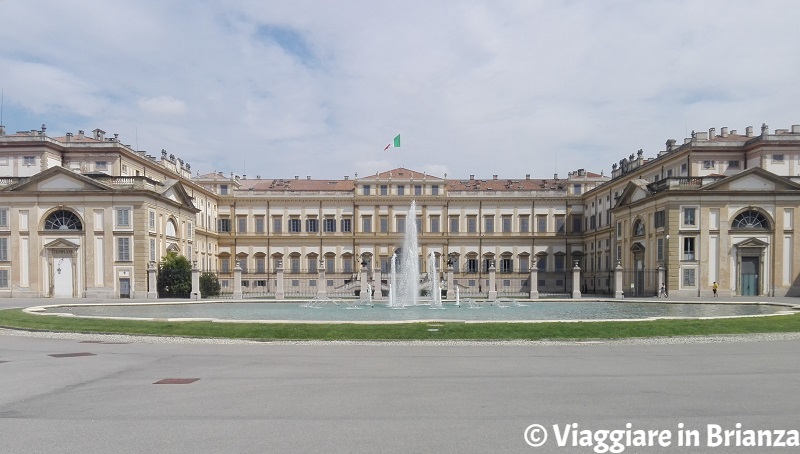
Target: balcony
[{"x": 682, "y": 183}]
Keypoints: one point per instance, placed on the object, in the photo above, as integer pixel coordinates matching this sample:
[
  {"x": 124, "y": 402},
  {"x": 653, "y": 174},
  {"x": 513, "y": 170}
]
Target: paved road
[{"x": 260, "y": 398}]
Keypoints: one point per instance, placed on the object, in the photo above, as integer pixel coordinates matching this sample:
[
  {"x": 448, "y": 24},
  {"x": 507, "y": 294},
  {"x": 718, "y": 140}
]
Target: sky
[{"x": 474, "y": 87}]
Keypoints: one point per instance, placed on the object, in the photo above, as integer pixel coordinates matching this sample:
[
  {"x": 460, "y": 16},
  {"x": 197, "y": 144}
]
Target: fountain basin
[{"x": 379, "y": 312}]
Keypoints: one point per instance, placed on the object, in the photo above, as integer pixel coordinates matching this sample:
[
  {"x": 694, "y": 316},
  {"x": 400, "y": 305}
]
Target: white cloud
[
  {"x": 479, "y": 87},
  {"x": 163, "y": 105}
]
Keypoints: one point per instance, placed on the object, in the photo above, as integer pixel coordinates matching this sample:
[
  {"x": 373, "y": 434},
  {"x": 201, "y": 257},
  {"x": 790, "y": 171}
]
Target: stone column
[
  {"x": 660, "y": 280},
  {"x": 280, "y": 293},
  {"x": 618, "y": 294},
  {"x": 237, "y": 282},
  {"x": 576, "y": 280},
  {"x": 533, "y": 281},
  {"x": 492, "y": 286},
  {"x": 322, "y": 286},
  {"x": 195, "y": 295},
  {"x": 364, "y": 282},
  {"x": 451, "y": 291},
  {"x": 152, "y": 290}
]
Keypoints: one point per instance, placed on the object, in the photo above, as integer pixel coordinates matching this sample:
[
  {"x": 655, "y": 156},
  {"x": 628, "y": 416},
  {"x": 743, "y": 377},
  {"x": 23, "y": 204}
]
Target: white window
[
  {"x": 3, "y": 249},
  {"x": 152, "y": 250},
  {"x": 171, "y": 229},
  {"x": 689, "y": 216},
  {"x": 189, "y": 230},
  {"x": 101, "y": 165},
  {"x": 152, "y": 218},
  {"x": 123, "y": 217},
  {"x": 708, "y": 164},
  {"x": 3, "y": 278},
  {"x": 29, "y": 160},
  {"x": 777, "y": 158},
  {"x": 4, "y": 217},
  {"x": 124, "y": 249}
]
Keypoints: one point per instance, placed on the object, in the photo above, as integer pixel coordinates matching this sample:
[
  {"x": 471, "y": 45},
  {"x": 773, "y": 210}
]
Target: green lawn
[{"x": 16, "y": 318}]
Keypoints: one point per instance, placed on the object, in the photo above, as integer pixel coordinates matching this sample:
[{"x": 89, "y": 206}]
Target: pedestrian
[
  {"x": 714, "y": 288},
  {"x": 663, "y": 291}
]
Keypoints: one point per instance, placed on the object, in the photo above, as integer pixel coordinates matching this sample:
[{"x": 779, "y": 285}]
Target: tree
[
  {"x": 209, "y": 285},
  {"x": 174, "y": 276}
]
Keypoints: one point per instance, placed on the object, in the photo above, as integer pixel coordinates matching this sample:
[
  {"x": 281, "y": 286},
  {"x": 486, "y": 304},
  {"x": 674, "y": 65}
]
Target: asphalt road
[{"x": 333, "y": 398}]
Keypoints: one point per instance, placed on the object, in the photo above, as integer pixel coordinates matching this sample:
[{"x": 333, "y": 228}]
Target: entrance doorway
[
  {"x": 124, "y": 287},
  {"x": 62, "y": 278},
  {"x": 748, "y": 276}
]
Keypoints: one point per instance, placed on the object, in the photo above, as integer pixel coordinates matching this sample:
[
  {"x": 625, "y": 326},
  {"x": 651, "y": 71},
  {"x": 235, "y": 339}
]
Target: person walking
[
  {"x": 663, "y": 291},
  {"x": 714, "y": 288}
]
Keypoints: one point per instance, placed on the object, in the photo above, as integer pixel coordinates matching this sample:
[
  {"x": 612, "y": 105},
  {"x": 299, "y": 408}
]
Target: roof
[
  {"x": 295, "y": 185},
  {"x": 400, "y": 173}
]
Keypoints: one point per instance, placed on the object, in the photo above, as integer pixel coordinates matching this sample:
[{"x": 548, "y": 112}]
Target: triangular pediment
[
  {"x": 172, "y": 247},
  {"x": 57, "y": 179},
  {"x": 174, "y": 191},
  {"x": 61, "y": 243},
  {"x": 400, "y": 174},
  {"x": 753, "y": 179},
  {"x": 752, "y": 242},
  {"x": 637, "y": 247},
  {"x": 635, "y": 190}
]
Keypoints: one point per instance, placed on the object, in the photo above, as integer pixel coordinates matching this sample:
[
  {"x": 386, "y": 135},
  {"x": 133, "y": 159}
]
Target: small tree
[
  {"x": 174, "y": 276},
  {"x": 209, "y": 285}
]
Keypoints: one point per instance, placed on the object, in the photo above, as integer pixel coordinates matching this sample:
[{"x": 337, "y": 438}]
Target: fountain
[{"x": 405, "y": 266}]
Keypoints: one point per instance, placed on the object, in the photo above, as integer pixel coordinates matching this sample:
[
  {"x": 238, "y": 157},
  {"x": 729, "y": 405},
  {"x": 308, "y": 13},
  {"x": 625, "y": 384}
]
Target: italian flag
[{"x": 395, "y": 143}]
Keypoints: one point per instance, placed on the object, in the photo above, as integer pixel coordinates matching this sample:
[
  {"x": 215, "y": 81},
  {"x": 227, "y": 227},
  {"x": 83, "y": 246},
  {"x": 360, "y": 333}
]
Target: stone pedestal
[
  {"x": 451, "y": 291},
  {"x": 533, "y": 282},
  {"x": 237, "y": 283},
  {"x": 376, "y": 285},
  {"x": 618, "y": 294},
  {"x": 195, "y": 295},
  {"x": 364, "y": 283},
  {"x": 152, "y": 280},
  {"x": 492, "y": 285},
  {"x": 661, "y": 272},
  {"x": 576, "y": 281},
  {"x": 322, "y": 285},
  {"x": 280, "y": 293}
]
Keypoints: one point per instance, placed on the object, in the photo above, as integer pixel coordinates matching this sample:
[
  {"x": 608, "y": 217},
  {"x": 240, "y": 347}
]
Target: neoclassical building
[{"x": 86, "y": 216}]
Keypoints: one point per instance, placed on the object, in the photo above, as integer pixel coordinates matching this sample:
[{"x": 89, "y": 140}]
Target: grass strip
[{"x": 16, "y": 318}]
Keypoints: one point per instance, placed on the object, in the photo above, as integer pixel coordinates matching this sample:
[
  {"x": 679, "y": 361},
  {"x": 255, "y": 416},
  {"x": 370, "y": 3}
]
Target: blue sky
[{"x": 279, "y": 89}]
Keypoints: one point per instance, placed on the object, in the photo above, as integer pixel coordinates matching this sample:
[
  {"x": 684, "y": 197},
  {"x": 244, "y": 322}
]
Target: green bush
[
  {"x": 209, "y": 285},
  {"x": 174, "y": 276}
]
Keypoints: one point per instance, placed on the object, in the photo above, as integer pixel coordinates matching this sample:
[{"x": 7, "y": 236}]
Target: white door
[{"x": 62, "y": 277}]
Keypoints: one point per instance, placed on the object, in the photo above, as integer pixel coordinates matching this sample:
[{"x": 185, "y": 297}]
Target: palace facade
[{"x": 87, "y": 216}]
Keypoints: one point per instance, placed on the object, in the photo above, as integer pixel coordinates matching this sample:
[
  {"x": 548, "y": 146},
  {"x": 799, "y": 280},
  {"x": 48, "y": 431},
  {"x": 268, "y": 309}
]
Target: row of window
[
  {"x": 330, "y": 225},
  {"x": 385, "y": 189}
]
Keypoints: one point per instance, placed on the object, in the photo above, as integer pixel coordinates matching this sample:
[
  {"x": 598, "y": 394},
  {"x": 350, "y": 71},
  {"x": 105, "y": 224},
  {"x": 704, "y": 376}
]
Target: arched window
[
  {"x": 750, "y": 219},
  {"x": 63, "y": 220},
  {"x": 638, "y": 228},
  {"x": 171, "y": 230}
]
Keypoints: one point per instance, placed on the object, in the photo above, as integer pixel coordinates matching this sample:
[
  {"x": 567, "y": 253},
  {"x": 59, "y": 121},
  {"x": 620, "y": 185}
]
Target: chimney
[
  {"x": 472, "y": 178},
  {"x": 2, "y": 130},
  {"x": 244, "y": 176},
  {"x": 346, "y": 177},
  {"x": 99, "y": 134},
  {"x": 795, "y": 129},
  {"x": 581, "y": 172},
  {"x": 764, "y": 129},
  {"x": 712, "y": 132},
  {"x": 494, "y": 177},
  {"x": 69, "y": 137},
  {"x": 80, "y": 134},
  {"x": 555, "y": 176},
  {"x": 527, "y": 176},
  {"x": 116, "y": 138},
  {"x": 297, "y": 177},
  {"x": 724, "y": 131},
  {"x": 748, "y": 131},
  {"x": 258, "y": 177},
  {"x": 308, "y": 177},
  {"x": 670, "y": 144},
  {"x": 44, "y": 128},
  {"x": 701, "y": 136}
]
